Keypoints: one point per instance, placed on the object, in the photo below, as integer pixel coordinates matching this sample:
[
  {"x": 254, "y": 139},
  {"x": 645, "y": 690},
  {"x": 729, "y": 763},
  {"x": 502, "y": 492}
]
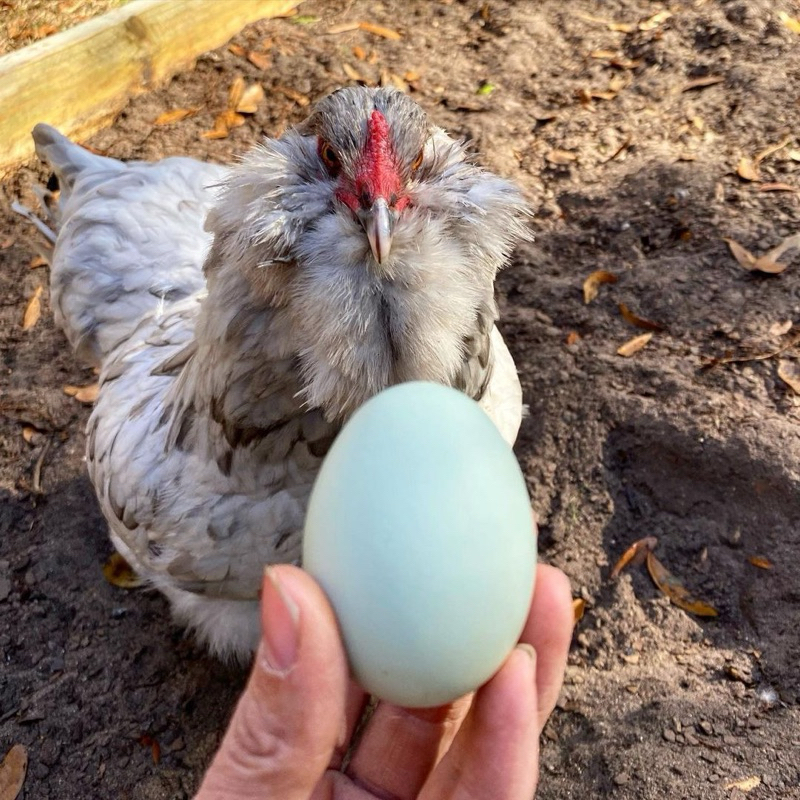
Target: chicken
[{"x": 239, "y": 315}]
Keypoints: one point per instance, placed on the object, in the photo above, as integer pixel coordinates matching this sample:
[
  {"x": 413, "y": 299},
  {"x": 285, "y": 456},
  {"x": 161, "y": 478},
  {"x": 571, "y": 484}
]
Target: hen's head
[{"x": 373, "y": 241}]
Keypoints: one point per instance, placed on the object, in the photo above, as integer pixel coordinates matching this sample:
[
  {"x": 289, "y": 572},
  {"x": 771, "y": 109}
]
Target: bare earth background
[{"x": 631, "y": 164}]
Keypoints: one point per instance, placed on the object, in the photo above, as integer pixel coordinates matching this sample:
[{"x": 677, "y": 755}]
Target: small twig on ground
[{"x": 36, "y": 485}]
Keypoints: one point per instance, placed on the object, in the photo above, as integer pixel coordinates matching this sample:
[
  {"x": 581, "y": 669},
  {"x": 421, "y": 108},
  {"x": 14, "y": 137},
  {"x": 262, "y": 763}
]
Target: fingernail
[
  {"x": 528, "y": 650},
  {"x": 281, "y": 629}
]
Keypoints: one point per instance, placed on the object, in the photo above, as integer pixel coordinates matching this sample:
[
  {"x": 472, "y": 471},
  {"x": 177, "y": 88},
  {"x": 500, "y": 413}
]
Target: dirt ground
[{"x": 627, "y": 141}]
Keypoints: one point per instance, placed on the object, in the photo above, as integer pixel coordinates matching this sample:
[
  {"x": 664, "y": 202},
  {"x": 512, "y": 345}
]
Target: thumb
[{"x": 291, "y": 715}]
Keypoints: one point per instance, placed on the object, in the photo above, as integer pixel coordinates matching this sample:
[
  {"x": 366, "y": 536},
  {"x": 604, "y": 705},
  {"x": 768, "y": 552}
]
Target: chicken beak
[{"x": 378, "y": 223}]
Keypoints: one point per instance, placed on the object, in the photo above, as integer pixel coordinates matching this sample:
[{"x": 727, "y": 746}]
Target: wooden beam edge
[{"x": 79, "y": 79}]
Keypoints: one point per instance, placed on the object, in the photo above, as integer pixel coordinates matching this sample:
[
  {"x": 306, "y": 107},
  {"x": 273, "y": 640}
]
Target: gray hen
[{"x": 240, "y": 315}]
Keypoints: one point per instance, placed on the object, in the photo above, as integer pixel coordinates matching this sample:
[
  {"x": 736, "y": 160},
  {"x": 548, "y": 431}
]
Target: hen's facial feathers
[{"x": 242, "y": 314}]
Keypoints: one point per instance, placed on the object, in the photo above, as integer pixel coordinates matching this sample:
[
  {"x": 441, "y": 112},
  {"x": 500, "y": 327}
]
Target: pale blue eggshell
[{"x": 419, "y": 530}]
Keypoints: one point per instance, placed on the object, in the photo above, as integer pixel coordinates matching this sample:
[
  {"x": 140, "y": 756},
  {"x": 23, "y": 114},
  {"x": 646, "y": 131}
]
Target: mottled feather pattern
[{"x": 240, "y": 318}]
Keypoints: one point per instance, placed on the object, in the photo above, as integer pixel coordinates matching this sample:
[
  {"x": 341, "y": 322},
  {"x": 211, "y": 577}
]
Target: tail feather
[{"x": 67, "y": 159}]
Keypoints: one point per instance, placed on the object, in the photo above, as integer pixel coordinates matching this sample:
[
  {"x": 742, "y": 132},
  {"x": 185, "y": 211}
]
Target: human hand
[{"x": 295, "y": 721}]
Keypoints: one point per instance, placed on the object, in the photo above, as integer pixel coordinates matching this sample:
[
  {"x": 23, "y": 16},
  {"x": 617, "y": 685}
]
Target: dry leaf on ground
[
  {"x": 352, "y": 74},
  {"x": 776, "y": 187},
  {"x": 653, "y": 22},
  {"x": 260, "y": 60},
  {"x": 561, "y": 157},
  {"x": 33, "y": 310},
  {"x": 762, "y": 562},
  {"x": 676, "y": 591},
  {"x": 578, "y": 607},
  {"x": 768, "y": 263},
  {"x": 591, "y": 286},
  {"x": 635, "y": 554},
  {"x": 747, "y": 169},
  {"x": 573, "y": 337},
  {"x": 118, "y": 572},
  {"x": 174, "y": 115},
  {"x": 343, "y": 27},
  {"x": 773, "y": 148},
  {"x": 637, "y": 321},
  {"x": 83, "y": 394},
  {"x": 379, "y": 30},
  {"x": 301, "y": 99},
  {"x": 702, "y": 83},
  {"x": 235, "y": 91},
  {"x": 743, "y": 359},
  {"x": 780, "y": 328},
  {"x": 744, "y": 784},
  {"x": 633, "y": 346},
  {"x": 742, "y": 255},
  {"x": 792, "y": 23},
  {"x": 13, "y": 769},
  {"x": 251, "y": 98},
  {"x": 789, "y": 373},
  {"x": 617, "y": 27}
]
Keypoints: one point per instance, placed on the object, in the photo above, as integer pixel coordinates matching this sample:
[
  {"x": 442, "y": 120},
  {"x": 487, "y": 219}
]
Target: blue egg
[{"x": 419, "y": 530}]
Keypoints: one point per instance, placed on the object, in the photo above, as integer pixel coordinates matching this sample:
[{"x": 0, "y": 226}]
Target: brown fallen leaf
[
  {"x": 411, "y": 75},
  {"x": 789, "y": 373},
  {"x": 744, "y": 784},
  {"x": 118, "y": 572},
  {"x": 633, "y": 346},
  {"x": 561, "y": 157},
  {"x": 260, "y": 60},
  {"x": 617, "y": 27},
  {"x": 360, "y": 53},
  {"x": 13, "y": 769},
  {"x": 33, "y": 310},
  {"x": 301, "y": 99},
  {"x": 343, "y": 27},
  {"x": 655, "y": 21},
  {"x": 637, "y": 321},
  {"x": 83, "y": 394},
  {"x": 379, "y": 30},
  {"x": 155, "y": 748},
  {"x": 768, "y": 263},
  {"x": 251, "y": 98},
  {"x": 731, "y": 359},
  {"x": 676, "y": 591},
  {"x": 702, "y": 83},
  {"x": 776, "y": 187},
  {"x": 236, "y": 49},
  {"x": 635, "y": 554},
  {"x": 351, "y": 73},
  {"x": 591, "y": 286},
  {"x": 747, "y": 169},
  {"x": 235, "y": 91},
  {"x": 573, "y": 337},
  {"x": 30, "y": 433},
  {"x": 174, "y": 115},
  {"x": 742, "y": 255},
  {"x": 616, "y": 59},
  {"x": 773, "y": 148},
  {"x": 38, "y": 261},
  {"x": 780, "y": 328},
  {"x": 788, "y": 244},
  {"x": 761, "y": 562},
  {"x": 792, "y": 23},
  {"x": 578, "y": 608}
]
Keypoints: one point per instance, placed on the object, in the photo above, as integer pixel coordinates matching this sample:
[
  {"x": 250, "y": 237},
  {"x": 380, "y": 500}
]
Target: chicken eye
[
  {"x": 329, "y": 157},
  {"x": 417, "y": 162}
]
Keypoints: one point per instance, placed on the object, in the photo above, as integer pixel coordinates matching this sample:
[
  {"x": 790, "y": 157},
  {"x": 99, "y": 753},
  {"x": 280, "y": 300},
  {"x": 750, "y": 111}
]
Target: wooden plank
[{"x": 78, "y": 80}]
